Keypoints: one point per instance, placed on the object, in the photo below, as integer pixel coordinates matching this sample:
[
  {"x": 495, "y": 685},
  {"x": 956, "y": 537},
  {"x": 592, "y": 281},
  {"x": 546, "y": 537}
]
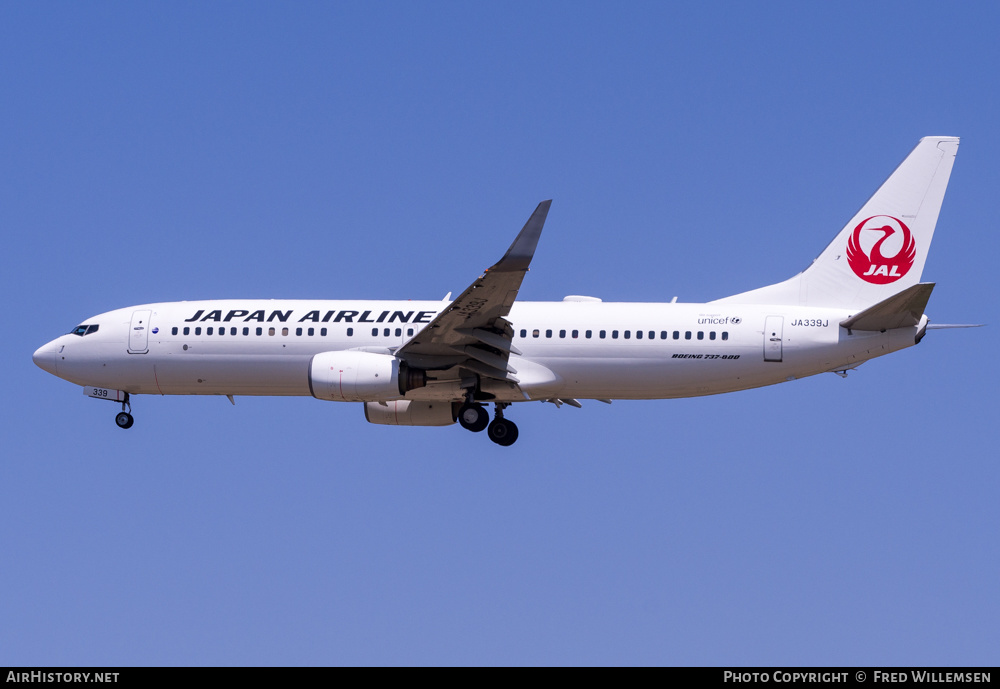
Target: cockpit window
[{"x": 82, "y": 330}]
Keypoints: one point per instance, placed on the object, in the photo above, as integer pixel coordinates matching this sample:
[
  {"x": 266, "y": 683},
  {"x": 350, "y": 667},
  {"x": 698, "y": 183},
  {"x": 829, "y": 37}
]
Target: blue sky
[{"x": 168, "y": 151}]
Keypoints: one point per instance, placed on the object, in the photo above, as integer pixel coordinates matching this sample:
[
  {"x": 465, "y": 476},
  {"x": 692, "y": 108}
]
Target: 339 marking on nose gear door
[{"x": 104, "y": 393}]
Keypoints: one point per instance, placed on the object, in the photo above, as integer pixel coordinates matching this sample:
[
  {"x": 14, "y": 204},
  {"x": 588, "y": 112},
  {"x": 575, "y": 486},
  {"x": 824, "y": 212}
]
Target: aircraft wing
[{"x": 472, "y": 332}]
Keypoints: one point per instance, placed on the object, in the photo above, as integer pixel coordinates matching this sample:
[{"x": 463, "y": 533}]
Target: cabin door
[
  {"x": 138, "y": 332},
  {"x": 772, "y": 338}
]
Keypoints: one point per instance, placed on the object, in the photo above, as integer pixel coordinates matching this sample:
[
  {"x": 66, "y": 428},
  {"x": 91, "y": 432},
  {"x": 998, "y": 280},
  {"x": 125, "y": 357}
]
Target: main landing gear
[
  {"x": 124, "y": 418},
  {"x": 474, "y": 417}
]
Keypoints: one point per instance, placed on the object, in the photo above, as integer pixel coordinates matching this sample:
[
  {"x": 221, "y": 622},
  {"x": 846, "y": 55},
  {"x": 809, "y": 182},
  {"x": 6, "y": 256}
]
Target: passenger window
[
  {"x": 374, "y": 332},
  {"x": 270, "y": 332},
  {"x": 687, "y": 335},
  {"x": 385, "y": 332},
  {"x": 232, "y": 331},
  {"x": 677, "y": 334},
  {"x": 576, "y": 334},
  {"x": 222, "y": 331},
  {"x": 725, "y": 336},
  {"x": 628, "y": 334},
  {"x": 652, "y": 335},
  {"x": 246, "y": 331},
  {"x": 399, "y": 332},
  {"x": 187, "y": 330},
  {"x": 711, "y": 335},
  {"x": 548, "y": 333},
  {"x": 260, "y": 331},
  {"x": 524, "y": 333},
  {"x": 701, "y": 335},
  {"x": 197, "y": 331},
  {"x": 663, "y": 334},
  {"x": 535, "y": 332},
  {"x": 562, "y": 333},
  {"x": 588, "y": 334},
  {"x": 409, "y": 331},
  {"x": 614, "y": 334},
  {"x": 322, "y": 331},
  {"x": 298, "y": 331},
  {"x": 173, "y": 331},
  {"x": 284, "y": 332},
  {"x": 208, "y": 331},
  {"x": 603, "y": 334},
  {"x": 638, "y": 334}
]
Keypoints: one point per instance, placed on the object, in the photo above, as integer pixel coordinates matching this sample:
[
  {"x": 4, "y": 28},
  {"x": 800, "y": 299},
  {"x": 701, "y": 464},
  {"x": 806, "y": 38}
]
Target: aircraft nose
[{"x": 45, "y": 358}]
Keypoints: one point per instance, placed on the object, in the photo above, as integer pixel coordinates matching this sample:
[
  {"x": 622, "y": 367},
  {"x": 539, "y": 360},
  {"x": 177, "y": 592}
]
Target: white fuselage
[
  {"x": 435, "y": 363},
  {"x": 569, "y": 349}
]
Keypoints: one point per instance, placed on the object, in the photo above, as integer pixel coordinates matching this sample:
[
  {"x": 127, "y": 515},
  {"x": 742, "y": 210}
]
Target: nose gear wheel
[{"x": 124, "y": 418}]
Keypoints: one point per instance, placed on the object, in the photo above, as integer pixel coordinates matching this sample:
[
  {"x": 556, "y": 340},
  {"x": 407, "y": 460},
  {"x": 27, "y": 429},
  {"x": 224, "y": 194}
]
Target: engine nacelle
[
  {"x": 352, "y": 376},
  {"x": 410, "y": 413}
]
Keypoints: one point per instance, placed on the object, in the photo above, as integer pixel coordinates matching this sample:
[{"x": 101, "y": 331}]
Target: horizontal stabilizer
[
  {"x": 951, "y": 326},
  {"x": 902, "y": 310}
]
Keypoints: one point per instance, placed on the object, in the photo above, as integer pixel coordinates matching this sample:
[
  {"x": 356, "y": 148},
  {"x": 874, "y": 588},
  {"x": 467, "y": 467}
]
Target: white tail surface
[{"x": 882, "y": 250}]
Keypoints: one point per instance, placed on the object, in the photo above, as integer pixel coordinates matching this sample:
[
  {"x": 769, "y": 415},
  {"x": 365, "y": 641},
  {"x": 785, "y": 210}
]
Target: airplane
[{"x": 434, "y": 363}]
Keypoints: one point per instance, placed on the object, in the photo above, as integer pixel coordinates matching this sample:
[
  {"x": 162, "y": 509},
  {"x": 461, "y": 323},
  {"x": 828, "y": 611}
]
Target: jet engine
[
  {"x": 410, "y": 413},
  {"x": 353, "y": 376}
]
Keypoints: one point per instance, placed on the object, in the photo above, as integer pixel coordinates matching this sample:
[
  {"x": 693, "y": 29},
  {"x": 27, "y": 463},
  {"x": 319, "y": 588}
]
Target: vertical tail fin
[{"x": 882, "y": 250}]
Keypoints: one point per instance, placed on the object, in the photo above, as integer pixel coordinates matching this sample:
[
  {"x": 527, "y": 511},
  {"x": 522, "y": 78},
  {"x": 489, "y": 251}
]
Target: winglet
[{"x": 518, "y": 256}]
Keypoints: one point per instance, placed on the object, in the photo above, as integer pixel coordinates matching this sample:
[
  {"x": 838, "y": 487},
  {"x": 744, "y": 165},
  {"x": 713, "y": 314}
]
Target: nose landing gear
[{"x": 124, "y": 418}]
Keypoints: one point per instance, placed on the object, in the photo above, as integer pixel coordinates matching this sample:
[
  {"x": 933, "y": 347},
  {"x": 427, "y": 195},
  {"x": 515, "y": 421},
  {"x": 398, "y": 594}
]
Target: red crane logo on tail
[{"x": 872, "y": 266}]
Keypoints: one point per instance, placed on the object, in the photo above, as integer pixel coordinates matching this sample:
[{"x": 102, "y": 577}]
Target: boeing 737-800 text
[{"x": 432, "y": 363}]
